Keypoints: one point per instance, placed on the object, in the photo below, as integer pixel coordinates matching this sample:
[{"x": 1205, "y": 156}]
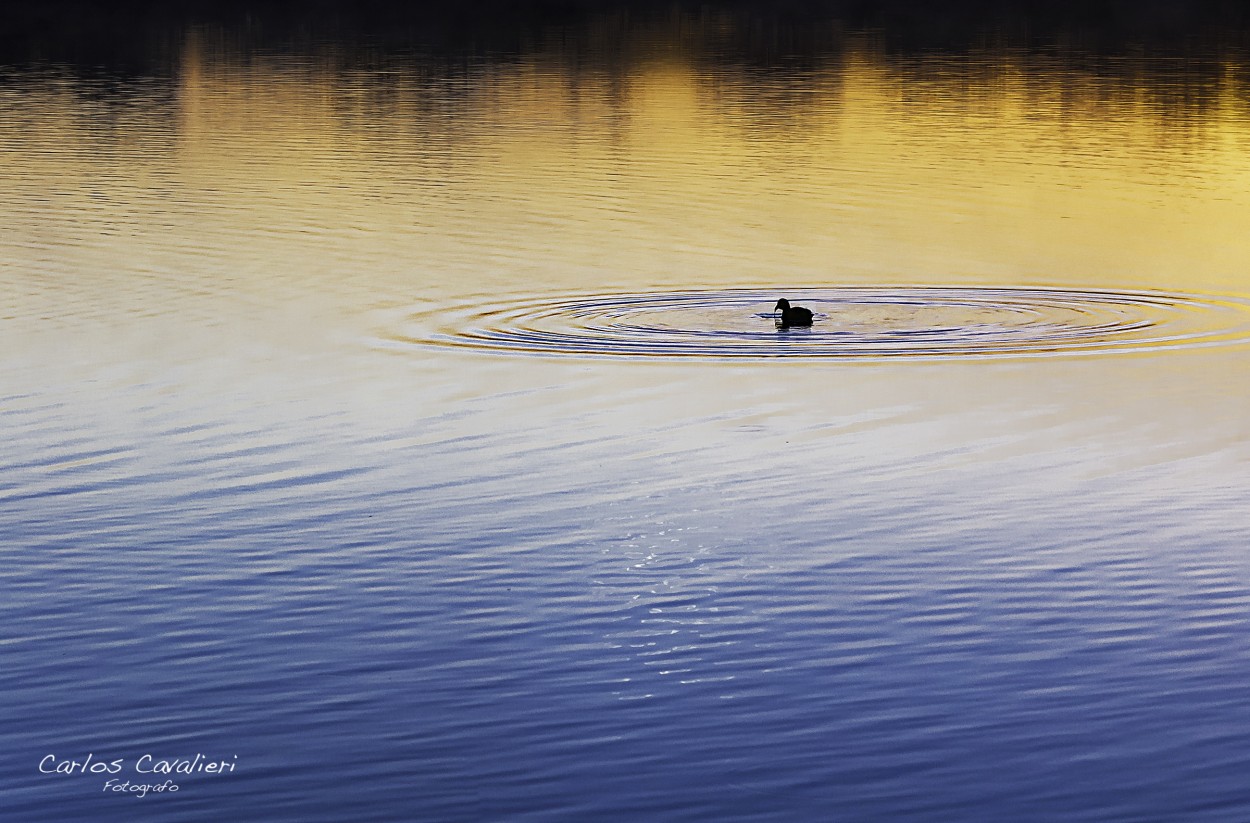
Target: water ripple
[{"x": 858, "y": 323}]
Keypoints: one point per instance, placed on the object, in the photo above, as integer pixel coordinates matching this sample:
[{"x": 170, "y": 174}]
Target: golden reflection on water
[
  {"x": 861, "y": 170},
  {"x": 268, "y": 185}
]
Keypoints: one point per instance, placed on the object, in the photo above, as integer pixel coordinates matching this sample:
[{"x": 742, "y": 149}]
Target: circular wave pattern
[{"x": 862, "y": 323}]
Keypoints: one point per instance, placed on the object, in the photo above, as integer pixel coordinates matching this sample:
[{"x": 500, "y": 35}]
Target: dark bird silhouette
[{"x": 792, "y": 315}]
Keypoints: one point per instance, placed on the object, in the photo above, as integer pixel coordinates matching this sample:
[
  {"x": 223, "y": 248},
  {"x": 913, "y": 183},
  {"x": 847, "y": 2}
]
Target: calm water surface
[{"x": 410, "y": 431}]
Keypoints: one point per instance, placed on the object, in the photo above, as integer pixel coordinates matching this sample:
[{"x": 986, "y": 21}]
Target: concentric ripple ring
[{"x": 863, "y": 323}]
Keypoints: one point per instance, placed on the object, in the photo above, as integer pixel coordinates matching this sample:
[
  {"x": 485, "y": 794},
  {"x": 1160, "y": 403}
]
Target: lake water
[{"x": 406, "y": 427}]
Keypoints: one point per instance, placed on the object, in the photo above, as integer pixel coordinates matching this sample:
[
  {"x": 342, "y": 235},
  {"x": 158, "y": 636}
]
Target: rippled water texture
[
  {"x": 393, "y": 409},
  {"x": 874, "y": 323}
]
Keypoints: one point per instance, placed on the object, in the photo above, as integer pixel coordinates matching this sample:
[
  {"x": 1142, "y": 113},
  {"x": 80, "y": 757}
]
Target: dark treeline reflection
[
  {"x": 1183, "y": 58},
  {"x": 142, "y": 36}
]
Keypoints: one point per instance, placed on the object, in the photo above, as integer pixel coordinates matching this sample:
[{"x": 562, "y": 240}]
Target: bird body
[{"x": 792, "y": 315}]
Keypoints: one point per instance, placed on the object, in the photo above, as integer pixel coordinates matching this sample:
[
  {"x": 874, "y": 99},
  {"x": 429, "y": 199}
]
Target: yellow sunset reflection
[{"x": 993, "y": 168}]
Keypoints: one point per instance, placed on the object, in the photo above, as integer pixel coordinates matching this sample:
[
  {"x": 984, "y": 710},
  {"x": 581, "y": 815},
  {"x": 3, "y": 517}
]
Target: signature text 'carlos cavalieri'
[{"x": 145, "y": 765}]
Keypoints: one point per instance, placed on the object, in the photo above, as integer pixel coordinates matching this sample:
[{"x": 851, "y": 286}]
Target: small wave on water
[{"x": 857, "y": 323}]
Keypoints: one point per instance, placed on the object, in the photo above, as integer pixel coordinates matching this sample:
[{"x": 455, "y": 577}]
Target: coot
[{"x": 793, "y": 315}]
